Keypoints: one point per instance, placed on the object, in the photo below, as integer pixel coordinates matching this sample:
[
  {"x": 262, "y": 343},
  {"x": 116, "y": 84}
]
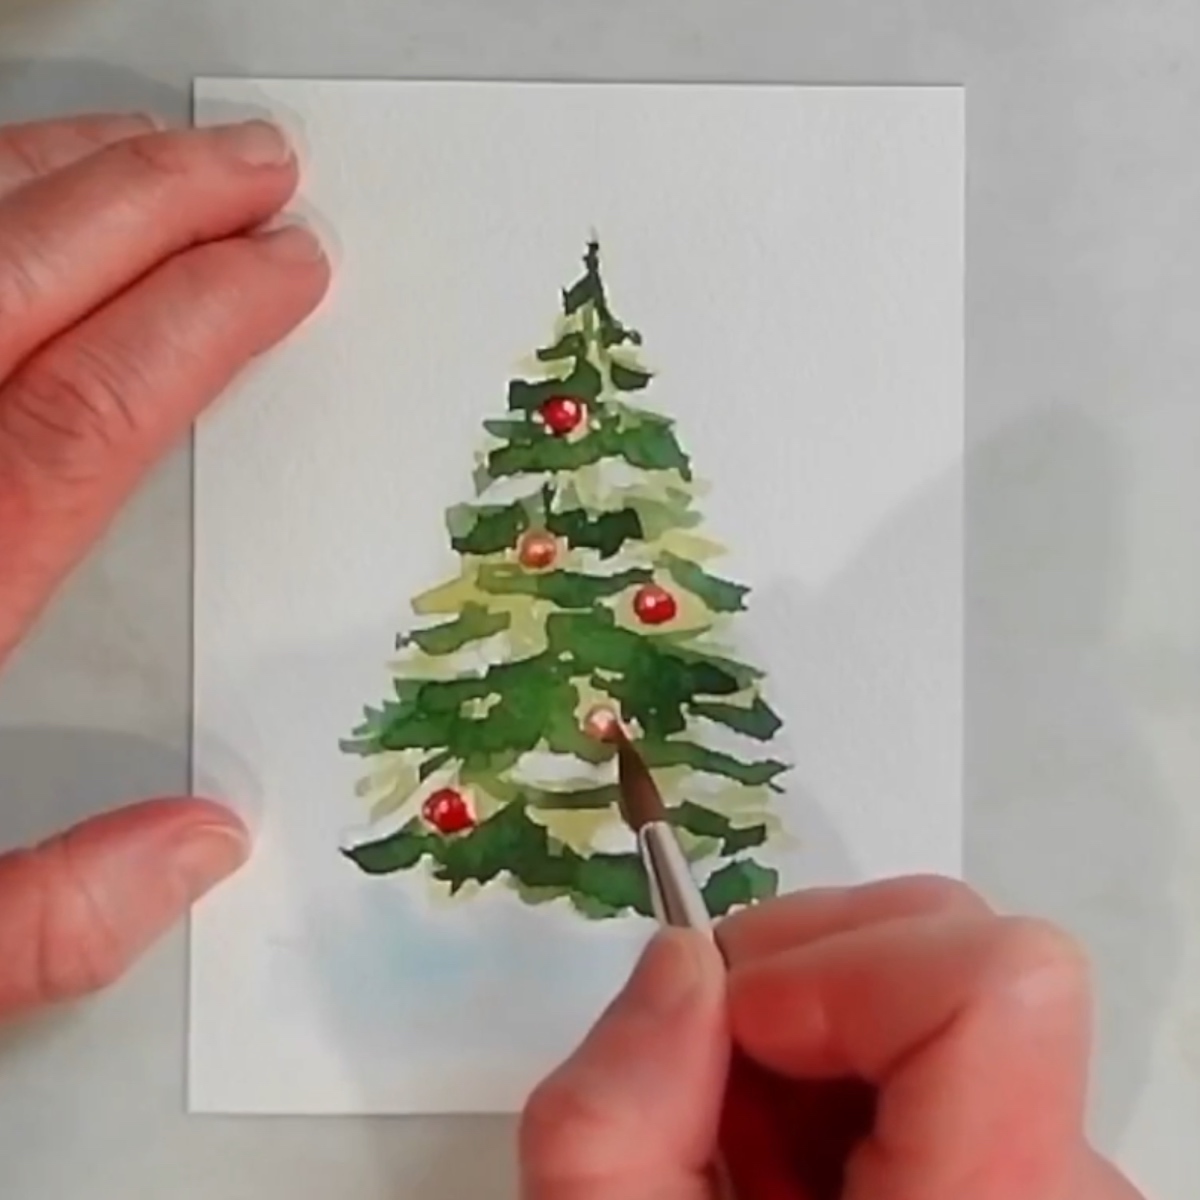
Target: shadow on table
[
  {"x": 14, "y": 12},
  {"x": 32, "y": 91},
  {"x": 1067, "y": 817}
]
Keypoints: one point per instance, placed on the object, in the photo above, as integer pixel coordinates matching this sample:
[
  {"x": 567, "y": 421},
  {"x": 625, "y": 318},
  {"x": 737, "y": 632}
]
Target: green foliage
[
  {"x": 396, "y": 853},
  {"x": 481, "y": 723},
  {"x": 434, "y": 763},
  {"x": 511, "y": 844},
  {"x": 711, "y": 762},
  {"x": 737, "y": 884},
  {"x": 615, "y": 334},
  {"x": 566, "y": 589},
  {"x": 570, "y": 345},
  {"x": 597, "y": 645},
  {"x": 584, "y": 383},
  {"x": 514, "y": 430},
  {"x": 606, "y": 533},
  {"x": 719, "y": 594},
  {"x": 704, "y": 822},
  {"x": 759, "y": 721},
  {"x": 656, "y": 687},
  {"x": 651, "y": 445},
  {"x": 589, "y": 289},
  {"x": 653, "y": 679},
  {"x": 645, "y": 443},
  {"x": 671, "y": 511},
  {"x": 473, "y": 624},
  {"x": 433, "y": 714},
  {"x": 628, "y": 379},
  {"x": 585, "y": 291},
  {"x": 487, "y": 530}
]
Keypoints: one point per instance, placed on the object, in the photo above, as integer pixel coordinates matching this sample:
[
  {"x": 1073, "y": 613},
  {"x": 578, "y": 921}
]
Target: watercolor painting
[
  {"x": 652, "y": 413},
  {"x": 584, "y": 593}
]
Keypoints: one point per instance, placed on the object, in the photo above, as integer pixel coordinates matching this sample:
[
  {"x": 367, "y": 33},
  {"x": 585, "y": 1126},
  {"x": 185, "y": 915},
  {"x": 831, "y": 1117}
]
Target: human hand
[
  {"x": 937, "y": 1050},
  {"x": 134, "y": 284}
]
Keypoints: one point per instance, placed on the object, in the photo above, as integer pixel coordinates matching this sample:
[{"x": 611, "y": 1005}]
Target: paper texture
[{"x": 792, "y": 260}]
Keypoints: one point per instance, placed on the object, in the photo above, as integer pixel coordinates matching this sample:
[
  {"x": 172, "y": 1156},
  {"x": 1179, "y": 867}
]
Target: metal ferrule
[{"x": 673, "y": 891}]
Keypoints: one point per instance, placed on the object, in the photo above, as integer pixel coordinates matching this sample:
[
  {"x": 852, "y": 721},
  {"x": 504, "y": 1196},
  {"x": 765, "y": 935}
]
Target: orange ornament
[
  {"x": 601, "y": 722},
  {"x": 537, "y": 550}
]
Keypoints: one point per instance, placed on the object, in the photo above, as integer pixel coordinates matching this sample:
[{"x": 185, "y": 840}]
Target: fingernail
[
  {"x": 667, "y": 976},
  {"x": 256, "y": 143},
  {"x": 207, "y": 854},
  {"x": 292, "y": 243}
]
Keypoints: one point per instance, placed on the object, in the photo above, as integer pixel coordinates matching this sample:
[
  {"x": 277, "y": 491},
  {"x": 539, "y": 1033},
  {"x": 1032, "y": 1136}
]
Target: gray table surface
[{"x": 1083, "y": 678}]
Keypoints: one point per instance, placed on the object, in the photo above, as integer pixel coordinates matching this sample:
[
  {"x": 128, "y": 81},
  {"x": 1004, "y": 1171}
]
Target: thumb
[
  {"x": 634, "y": 1112},
  {"x": 77, "y": 910}
]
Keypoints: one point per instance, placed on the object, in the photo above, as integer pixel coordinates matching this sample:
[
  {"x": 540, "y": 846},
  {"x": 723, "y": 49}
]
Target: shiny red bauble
[
  {"x": 448, "y": 812},
  {"x": 654, "y": 605},
  {"x": 563, "y": 414}
]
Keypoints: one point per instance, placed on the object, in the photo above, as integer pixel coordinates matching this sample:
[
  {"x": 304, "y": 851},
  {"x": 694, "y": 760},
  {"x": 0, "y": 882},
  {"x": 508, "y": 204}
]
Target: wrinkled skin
[
  {"x": 135, "y": 282},
  {"x": 132, "y": 289},
  {"x": 920, "y": 1047}
]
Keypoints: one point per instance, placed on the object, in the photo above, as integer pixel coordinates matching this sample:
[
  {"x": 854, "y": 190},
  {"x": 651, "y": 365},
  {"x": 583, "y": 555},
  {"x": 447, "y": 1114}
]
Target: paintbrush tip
[{"x": 641, "y": 803}]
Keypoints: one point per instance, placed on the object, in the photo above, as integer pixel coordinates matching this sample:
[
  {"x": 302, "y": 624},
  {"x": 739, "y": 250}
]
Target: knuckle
[
  {"x": 25, "y": 149},
  {"x": 161, "y": 158},
  {"x": 78, "y": 950},
  {"x": 216, "y": 288},
  {"x": 20, "y": 285},
  {"x": 63, "y": 410},
  {"x": 200, "y": 274}
]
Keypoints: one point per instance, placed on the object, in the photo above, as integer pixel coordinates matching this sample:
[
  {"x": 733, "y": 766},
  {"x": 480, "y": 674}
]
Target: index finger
[
  {"x": 806, "y": 916},
  {"x": 76, "y": 237},
  {"x": 32, "y": 149},
  {"x": 84, "y": 419},
  {"x": 975, "y": 1029}
]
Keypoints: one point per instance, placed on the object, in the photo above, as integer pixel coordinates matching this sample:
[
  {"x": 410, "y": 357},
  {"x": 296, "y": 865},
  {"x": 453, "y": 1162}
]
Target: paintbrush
[
  {"x": 777, "y": 1139},
  {"x": 676, "y": 899},
  {"x": 741, "y": 1170}
]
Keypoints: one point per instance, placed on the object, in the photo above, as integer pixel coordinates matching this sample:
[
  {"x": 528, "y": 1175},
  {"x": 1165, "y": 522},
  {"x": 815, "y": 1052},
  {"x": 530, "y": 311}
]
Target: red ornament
[
  {"x": 601, "y": 722},
  {"x": 448, "y": 812},
  {"x": 654, "y": 605},
  {"x": 563, "y": 414},
  {"x": 537, "y": 550}
]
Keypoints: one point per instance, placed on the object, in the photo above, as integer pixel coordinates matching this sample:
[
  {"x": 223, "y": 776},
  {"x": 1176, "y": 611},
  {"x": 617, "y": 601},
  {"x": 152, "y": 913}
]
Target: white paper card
[{"x": 792, "y": 262}]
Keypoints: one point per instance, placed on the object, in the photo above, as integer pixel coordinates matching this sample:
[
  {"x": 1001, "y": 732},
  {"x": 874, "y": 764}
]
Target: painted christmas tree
[{"x": 583, "y": 595}]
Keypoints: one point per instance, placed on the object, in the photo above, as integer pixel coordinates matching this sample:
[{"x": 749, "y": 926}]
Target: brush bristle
[{"x": 640, "y": 802}]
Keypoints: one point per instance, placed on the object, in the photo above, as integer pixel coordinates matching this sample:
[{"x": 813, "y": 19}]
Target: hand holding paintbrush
[
  {"x": 897, "y": 1041},
  {"x": 750, "y": 1131}
]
